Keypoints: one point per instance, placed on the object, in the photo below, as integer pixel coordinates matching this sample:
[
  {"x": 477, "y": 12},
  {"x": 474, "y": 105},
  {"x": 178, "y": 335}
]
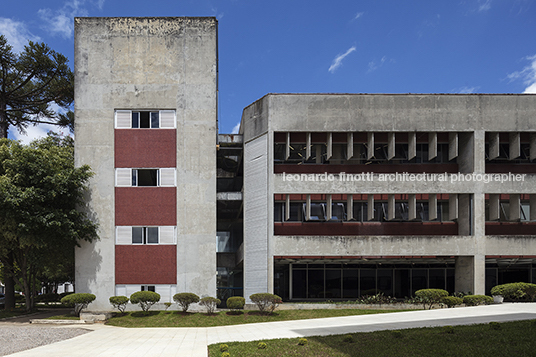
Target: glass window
[
  {"x": 145, "y": 177},
  {"x": 135, "y": 119},
  {"x": 152, "y": 235},
  {"x": 145, "y": 235},
  {"x": 137, "y": 235}
]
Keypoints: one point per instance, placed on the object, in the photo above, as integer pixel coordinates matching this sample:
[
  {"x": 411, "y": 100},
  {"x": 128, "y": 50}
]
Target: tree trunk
[
  {"x": 9, "y": 282},
  {"x": 3, "y": 121}
]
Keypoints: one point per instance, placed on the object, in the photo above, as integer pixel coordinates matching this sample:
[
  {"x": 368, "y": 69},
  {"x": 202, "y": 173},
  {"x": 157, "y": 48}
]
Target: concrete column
[
  {"x": 287, "y": 207},
  {"x": 370, "y": 146},
  {"x": 453, "y": 145},
  {"x": 432, "y": 145},
  {"x": 287, "y": 147},
  {"x": 494, "y": 207},
  {"x": 370, "y": 207},
  {"x": 412, "y": 145},
  {"x": 349, "y": 146},
  {"x": 308, "y": 146},
  {"x": 330, "y": 146},
  {"x": 471, "y": 158},
  {"x": 391, "y": 146},
  {"x": 515, "y": 209},
  {"x": 349, "y": 207},
  {"x": 470, "y": 274},
  {"x": 432, "y": 206},
  {"x": 515, "y": 146},
  {"x": 412, "y": 207},
  {"x": 329, "y": 207},
  {"x": 453, "y": 206},
  {"x": 493, "y": 145},
  {"x": 390, "y": 207},
  {"x": 308, "y": 208},
  {"x": 465, "y": 216}
]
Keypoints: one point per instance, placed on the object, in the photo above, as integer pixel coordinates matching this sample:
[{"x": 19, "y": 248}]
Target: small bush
[
  {"x": 78, "y": 301},
  {"x": 378, "y": 298},
  {"x": 224, "y": 348},
  {"x": 451, "y": 301},
  {"x": 261, "y": 346},
  {"x": 47, "y": 298},
  {"x": 348, "y": 339},
  {"x": 266, "y": 302},
  {"x": 475, "y": 300},
  {"x": 430, "y": 297},
  {"x": 225, "y": 354},
  {"x": 516, "y": 291},
  {"x": 302, "y": 341},
  {"x": 495, "y": 325},
  {"x": 145, "y": 299},
  {"x": 448, "y": 329},
  {"x": 119, "y": 302},
  {"x": 210, "y": 304},
  {"x": 236, "y": 303},
  {"x": 167, "y": 305},
  {"x": 185, "y": 300}
]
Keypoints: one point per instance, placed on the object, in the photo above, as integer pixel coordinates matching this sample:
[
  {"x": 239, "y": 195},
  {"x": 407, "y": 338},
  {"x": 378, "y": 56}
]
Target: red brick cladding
[
  {"x": 145, "y": 148},
  {"x": 145, "y": 264},
  {"x": 153, "y": 206}
]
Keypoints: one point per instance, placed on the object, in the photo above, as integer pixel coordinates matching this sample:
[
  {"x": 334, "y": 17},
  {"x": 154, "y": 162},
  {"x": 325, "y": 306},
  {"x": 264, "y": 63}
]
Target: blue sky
[{"x": 338, "y": 46}]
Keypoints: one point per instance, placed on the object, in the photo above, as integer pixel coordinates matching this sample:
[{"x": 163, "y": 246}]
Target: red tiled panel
[
  {"x": 155, "y": 206},
  {"x": 146, "y": 264},
  {"x": 528, "y": 168},
  {"x": 511, "y": 228},
  {"x": 358, "y": 168},
  {"x": 145, "y": 148},
  {"x": 369, "y": 228}
]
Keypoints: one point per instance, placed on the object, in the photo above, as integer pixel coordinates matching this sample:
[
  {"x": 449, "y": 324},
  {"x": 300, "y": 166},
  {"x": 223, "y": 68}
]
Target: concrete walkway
[{"x": 116, "y": 341}]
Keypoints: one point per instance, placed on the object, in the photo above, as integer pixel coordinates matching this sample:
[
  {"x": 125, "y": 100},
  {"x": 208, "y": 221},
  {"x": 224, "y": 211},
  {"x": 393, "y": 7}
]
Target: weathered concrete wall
[
  {"x": 469, "y": 115},
  {"x": 149, "y": 63}
]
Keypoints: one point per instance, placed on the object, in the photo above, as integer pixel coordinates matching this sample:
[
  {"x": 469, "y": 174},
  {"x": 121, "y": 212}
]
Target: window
[
  {"x": 127, "y": 235},
  {"x": 148, "y": 288},
  {"x": 145, "y": 119},
  {"x": 127, "y": 177}
]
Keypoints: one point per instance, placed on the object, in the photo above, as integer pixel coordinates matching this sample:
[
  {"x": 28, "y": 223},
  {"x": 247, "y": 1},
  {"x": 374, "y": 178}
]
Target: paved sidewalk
[{"x": 116, "y": 341}]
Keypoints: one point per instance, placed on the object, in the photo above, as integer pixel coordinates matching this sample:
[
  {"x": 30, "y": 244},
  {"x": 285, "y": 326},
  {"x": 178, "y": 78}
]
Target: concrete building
[
  {"x": 145, "y": 106},
  {"x": 346, "y": 195},
  {"x": 320, "y": 196}
]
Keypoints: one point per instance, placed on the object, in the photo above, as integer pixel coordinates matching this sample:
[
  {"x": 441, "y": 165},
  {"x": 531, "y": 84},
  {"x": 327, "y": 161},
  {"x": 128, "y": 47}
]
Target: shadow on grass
[
  {"x": 144, "y": 314},
  {"x": 259, "y": 313}
]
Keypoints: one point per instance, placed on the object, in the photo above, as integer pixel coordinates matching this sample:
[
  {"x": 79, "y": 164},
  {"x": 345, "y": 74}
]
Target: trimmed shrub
[
  {"x": 236, "y": 303},
  {"x": 145, "y": 299},
  {"x": 451, "y": 301},
  {"x": 225, "y": 354},
  {"x": 429, "y": 297},
  {"x": 167, "y": 305},
  {"x": 47, "y": 298},
  {"x": 266, "y": 302},
  {"x": 396, "y": 334},
  {"x": 119, "y": 302},
  {"x": 448, "y": 329},
  {"x": 515, "y": 291},
  {"x": 209, "y": 303},
  {"x": 348, "y": 339},
  {"x": 185, "y": 300},
  {"x": 224, "y": 348},
  {"x": 302, "y": 341},
  {"x": 78, "y": 301},
  {"x": 262, "y": 345},
  {"x": 475, "y": 300}
]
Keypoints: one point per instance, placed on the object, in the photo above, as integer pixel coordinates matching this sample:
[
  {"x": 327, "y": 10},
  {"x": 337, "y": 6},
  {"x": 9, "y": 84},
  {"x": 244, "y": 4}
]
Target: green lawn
[
  {"x": 63, "y": 317},
  {"x": 511, "y": 339},
  {"x": 18, "y": 311},
  {"x": 179, "y": 319}
]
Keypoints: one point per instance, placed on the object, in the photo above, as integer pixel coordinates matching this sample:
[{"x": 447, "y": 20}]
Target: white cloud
[
  {"x": 17, "y": 33},
  {"x": 358, "y": 15},
  {"x": 527, "y": 75},
  {"x": 236, "y": 128},
  {"x": 484, "y": 5},
  {"x": 466, "y": 90},
  {"x": 60, "y": 22},
  {"x": 35, "y": 132},
  {"x": 337, "y": 62}
]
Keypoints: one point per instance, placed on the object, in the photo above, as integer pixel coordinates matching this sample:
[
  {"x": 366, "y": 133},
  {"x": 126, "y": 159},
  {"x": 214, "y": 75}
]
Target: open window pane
[
  {"x": 147, "y": 177},
  {"x": 155, "y": 120},
  {"x": 144, "y": 120}
]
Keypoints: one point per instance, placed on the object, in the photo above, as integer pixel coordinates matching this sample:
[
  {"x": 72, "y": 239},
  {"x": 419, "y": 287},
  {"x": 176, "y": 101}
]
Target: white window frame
[
  {"x": 167, "y": 119},
  {"x": 167, "y": 235},
  {"x": 170, "y": 176}
]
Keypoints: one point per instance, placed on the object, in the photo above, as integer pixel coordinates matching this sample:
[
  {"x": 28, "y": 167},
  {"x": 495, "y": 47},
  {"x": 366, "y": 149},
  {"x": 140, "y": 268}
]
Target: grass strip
[
  {"x": 196, "y": 319},
  {"x": 494, "y": 339}
]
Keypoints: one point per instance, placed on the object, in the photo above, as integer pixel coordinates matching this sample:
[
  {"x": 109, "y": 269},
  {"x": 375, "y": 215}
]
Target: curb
[{"x": 59, "y": 322}]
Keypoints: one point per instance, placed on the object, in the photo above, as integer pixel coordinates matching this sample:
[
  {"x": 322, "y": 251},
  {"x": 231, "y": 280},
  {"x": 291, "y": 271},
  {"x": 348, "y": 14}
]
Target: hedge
[
  {"x": 451, "y": 301},
  {"x": 119, "y": 302},
  {"x": 185, "y": 300},
  {"x": 266, "y": 302},
  {"x": 79, "y": 301},
  {"x": 145, "y": 299},
  {"x": 475, "y": 300},
  {"x": 515, "y": 291},
  {"x": 236, "y": 303},
  {"x": 429, "y": 297}
]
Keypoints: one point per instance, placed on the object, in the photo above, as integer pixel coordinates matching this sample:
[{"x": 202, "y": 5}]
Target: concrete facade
[
  {"x": 149, "y": 64},
  {"x": 468, "y": 119}
]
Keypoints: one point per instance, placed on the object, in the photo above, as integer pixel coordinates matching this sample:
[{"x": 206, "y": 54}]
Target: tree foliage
[
  {"x": 29, "y": 83},
  {"x": 78, "y": 301},
  {"x": 145, "y": 299},
  {"x": 41, "y": 193}
]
